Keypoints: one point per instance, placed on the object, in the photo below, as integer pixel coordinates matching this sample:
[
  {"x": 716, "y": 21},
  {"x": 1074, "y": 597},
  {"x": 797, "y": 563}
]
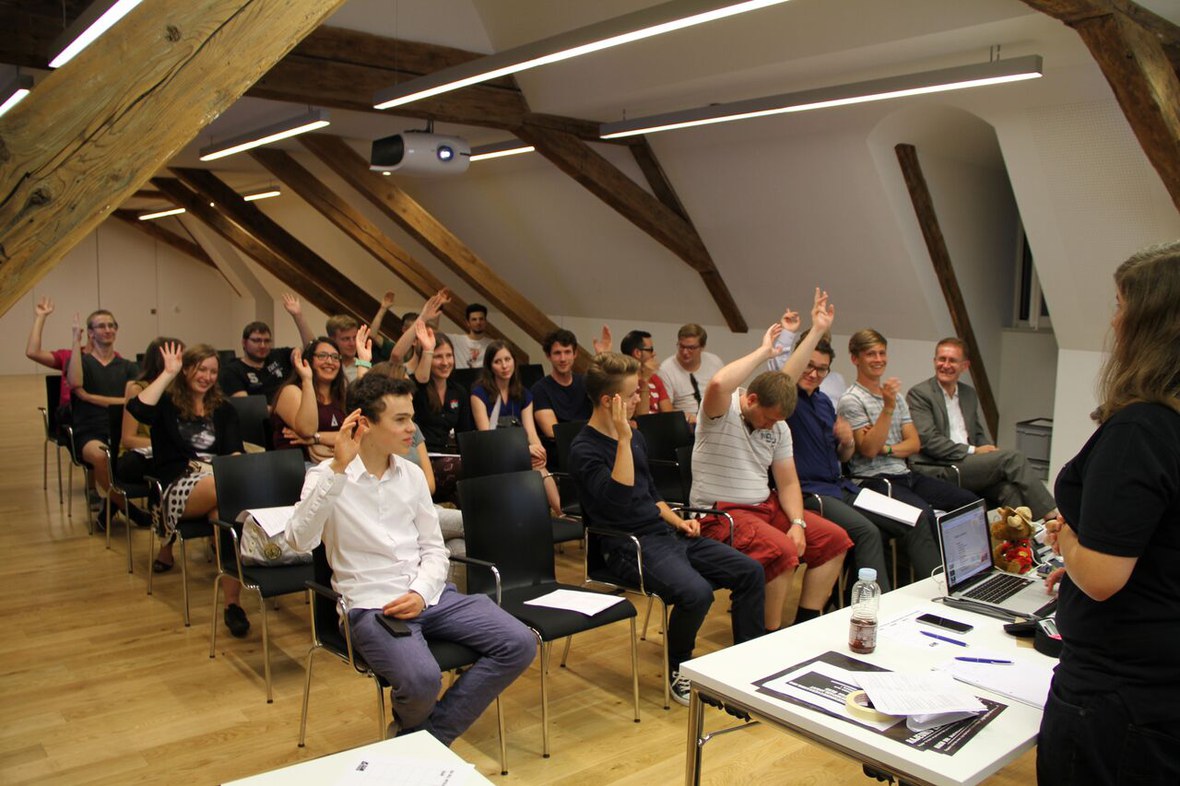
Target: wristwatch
[
  {"x": 315, "y": 438},
  {"x": 800, "y": 522}
]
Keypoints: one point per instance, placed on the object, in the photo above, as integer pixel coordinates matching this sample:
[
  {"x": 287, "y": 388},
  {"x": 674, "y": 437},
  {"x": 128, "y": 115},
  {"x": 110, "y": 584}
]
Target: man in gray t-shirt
[{"x": 885, "y": 435}]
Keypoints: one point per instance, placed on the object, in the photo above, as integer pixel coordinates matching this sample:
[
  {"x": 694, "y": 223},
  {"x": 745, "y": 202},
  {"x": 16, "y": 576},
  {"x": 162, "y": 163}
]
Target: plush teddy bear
[{"x": 1011, "y": 545}]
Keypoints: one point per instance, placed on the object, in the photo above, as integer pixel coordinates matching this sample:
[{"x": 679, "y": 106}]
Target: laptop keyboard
[{"x": 998, "y": 588}]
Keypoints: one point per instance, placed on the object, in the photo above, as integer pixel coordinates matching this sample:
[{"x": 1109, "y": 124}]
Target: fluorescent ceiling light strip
[
  {"x": 98, "y": 17},
  {"x": 15, "y": 91},
  {"x": 264, "y": 136},
  {"x": 512, "y": 147},
  {"x": 161, "y": 214},
  {"x": 943, "y": 80},
  {"x": 645, "y": 23},
  {"x": 273, "y": 192}
]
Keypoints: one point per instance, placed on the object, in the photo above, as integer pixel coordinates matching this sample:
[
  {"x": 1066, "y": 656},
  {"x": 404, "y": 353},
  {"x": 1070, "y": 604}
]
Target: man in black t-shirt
[
  {"x": 262, "y": 369},
  {"x": 561, "y": 396}
]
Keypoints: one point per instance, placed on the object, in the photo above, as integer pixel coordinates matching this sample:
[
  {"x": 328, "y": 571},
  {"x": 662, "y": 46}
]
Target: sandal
[{"x": 161, "y": 567}]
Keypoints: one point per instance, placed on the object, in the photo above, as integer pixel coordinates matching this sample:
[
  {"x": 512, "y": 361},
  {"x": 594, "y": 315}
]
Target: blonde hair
[
  {"x": 1144, "y": 364},
  {"x": 606, "y": 373}
]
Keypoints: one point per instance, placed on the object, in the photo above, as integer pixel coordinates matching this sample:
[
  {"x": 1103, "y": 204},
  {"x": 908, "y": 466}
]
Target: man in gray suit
[{"x": 946, "y": 414}]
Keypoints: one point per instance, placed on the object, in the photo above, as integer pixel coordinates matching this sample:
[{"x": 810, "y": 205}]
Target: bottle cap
[{"x": 867, "y": 574}]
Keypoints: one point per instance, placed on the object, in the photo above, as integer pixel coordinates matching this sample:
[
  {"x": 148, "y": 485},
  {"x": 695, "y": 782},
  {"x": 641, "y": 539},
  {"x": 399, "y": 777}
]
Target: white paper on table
[
  {"x": 1026, "y": 682},
  {"x": 907, "y": 630},
  {"x": 831, "y": 699},
  {"x": 890, "y": 508},
  {"x": 273, "y": 520},
  {"x": 588, "y": 603},
  {"x": 405, "y": 771},
  {"x": 924, "y": 693}
]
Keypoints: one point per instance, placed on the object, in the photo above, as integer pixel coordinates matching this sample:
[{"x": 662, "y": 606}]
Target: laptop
[{"x": 964, "y": 539}]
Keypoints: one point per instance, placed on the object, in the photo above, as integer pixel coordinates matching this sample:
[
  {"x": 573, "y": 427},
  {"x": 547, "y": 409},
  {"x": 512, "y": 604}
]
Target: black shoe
[
  {"x": 138, "y": 516},
  {"x": 680, "y": 688},
  {"x": 236, "y": 621}
]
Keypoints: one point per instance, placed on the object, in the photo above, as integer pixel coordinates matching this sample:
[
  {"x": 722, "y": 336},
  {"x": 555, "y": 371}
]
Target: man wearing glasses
[
  {"x": 687, "y": 373},
  {"x": 823, "y": 440},
  {"x": 946, "y": 415},
  {"x": 653, "y": 396},
  {"x": 262, "y": 368}
]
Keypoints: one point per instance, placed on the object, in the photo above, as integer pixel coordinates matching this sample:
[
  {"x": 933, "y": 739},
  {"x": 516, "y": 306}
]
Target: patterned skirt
[{"x": 176, "y": 496}]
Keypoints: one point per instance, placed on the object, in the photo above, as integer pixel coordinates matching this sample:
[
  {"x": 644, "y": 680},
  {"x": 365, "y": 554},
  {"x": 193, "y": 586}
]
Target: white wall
[
  {"x": 1028, "y": 380},
  {"x": 1076, "y": 397}
]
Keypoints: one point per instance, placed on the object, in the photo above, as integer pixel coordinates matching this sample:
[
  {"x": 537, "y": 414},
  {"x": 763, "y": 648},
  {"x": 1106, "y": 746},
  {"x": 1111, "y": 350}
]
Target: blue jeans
[
  {"x": 506, "y": 647},
  {"x": 685, "y": 572}
]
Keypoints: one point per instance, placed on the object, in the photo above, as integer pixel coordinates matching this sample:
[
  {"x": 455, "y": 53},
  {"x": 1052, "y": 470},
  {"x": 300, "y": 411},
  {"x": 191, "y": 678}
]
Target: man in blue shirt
[{"x": 823, "y": 440}]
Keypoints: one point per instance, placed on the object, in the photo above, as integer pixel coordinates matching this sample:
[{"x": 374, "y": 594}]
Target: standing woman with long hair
[
  {"x": 1113, "y": 714},
  {"x": 501, "y": 400},
  {"x": 309, "y": 408},
  {"x": 191, "y": 422}
]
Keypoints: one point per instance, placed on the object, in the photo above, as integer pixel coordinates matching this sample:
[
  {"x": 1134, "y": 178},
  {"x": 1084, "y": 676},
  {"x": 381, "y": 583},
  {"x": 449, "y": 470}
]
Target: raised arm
[
  {"x": 822, "y": 315},
  {"x": 41, "y": 311},
  {"x": 604, "y": 341},
  {"x": 297, "y": 406},
  {"x": 364, "y": 351},
  {"x": 74, "y": 370},
  {"x": 382, "y": 310},
  {"x": 173, "y": 361},
  {"x": 293, "y": 307},
  {"x": 725, "y": 382},
  {"x": 427, "y": 340}
]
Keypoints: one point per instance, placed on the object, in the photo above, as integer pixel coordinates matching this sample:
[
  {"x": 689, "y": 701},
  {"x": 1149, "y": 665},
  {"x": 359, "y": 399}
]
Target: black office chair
[
  {"x": 253, "y": 419},
  {"x": 467, "y": 377},
  {"x": 502, "y": 450},
  {"x": 331, "y": 633},
  {"x": 531, "y": 374},
  {"x": 53, "y": 433},
  {"x": 186, "y": 530},
  {"x": 255, "y": 480},
  {"x": 506, "y": 522},
  {"x": 120, "y": 490},
  {"x": 665, "y": 433}
]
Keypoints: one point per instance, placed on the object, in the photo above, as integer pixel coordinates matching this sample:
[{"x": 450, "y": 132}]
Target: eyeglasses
[
  {"x": 689, "y": 347},
  {"x": 333, "y": 356},
  {"x": 647, "y": 349},
  {"x": 819, "y": 371}
]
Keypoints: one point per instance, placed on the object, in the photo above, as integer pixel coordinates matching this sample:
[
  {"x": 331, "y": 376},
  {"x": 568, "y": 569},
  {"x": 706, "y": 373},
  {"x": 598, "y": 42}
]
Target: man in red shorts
[{"x": 741, "y": 434}]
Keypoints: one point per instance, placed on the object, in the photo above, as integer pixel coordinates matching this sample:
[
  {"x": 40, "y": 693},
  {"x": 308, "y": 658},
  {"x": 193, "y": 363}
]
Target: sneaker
[
  {"x": 236, "y": 621},
  {"x": 681, "y": 687}
]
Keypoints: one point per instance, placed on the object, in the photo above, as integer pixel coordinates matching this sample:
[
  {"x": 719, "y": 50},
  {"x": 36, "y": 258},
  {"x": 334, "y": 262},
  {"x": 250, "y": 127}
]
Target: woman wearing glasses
[{"x": 309, "y": 408}]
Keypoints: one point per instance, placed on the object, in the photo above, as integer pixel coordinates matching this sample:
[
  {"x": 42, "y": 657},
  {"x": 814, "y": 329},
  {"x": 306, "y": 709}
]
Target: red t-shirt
[
  {"x": 61, "y": 359},
  {"x": 656, "y": 393}
]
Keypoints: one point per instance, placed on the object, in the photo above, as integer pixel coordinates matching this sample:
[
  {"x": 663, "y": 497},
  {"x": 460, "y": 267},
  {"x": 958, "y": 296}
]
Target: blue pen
[
  {"x": 943, "y": 638},
  {"x": 983, "y": 660}
]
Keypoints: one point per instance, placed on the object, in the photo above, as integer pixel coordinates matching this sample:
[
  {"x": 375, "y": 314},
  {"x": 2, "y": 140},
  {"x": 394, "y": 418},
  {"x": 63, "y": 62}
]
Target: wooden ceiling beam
[
  {"x": 1128, "y": 43},
  {"x": 279, "y": 267},
  {"x": 666, "y": 224},
  {"x": 940, "y": 258},
  {"x": 365, "y": 233},
  {"x": 395, "y": 203},
  {"x": 353, "y": 298},
  {"x": 157, "y": 232},
  {"x": 192, "y": 60}
]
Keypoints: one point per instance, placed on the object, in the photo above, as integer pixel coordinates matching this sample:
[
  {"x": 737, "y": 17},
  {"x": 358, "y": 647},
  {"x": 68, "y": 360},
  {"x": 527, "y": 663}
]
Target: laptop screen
[{"x": 966, "y": 544}]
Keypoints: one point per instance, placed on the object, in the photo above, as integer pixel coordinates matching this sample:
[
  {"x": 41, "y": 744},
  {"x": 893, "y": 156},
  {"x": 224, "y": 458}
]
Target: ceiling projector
[{"x": 420, "y": 153}]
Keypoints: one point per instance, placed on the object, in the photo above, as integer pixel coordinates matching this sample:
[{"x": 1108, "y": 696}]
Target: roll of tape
[{"x": 857, "y": 703}]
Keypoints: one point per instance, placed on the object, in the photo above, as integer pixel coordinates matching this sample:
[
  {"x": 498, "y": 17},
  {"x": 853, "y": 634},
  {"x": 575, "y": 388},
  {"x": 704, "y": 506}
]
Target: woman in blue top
[
  {"x": 1113, "y": 713},
  {"x": 500, "y": 400}
]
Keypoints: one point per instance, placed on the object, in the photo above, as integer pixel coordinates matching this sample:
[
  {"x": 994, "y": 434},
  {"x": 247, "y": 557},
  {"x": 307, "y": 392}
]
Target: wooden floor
[{"x": 101, "y": 683}]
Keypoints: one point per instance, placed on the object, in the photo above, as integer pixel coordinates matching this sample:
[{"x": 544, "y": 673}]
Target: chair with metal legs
[
  {"x": 53, "y": 433},
  {"x": 119, "y": 489},
  {"x": 506, "y": 523},
  {"x": 186, "y": 530},
  {"x": 331, "y": 633},
  {"x": 247, "y": 482}
]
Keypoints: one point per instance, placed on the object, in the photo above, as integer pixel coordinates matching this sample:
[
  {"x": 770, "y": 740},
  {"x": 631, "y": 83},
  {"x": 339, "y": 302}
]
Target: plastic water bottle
[{"x": 862, "y": 631}]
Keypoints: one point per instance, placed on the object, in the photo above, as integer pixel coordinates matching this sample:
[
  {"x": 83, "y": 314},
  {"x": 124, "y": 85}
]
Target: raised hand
[
  {"x": 425, "y": 335},
  {"x": 387, "y": 300},
  {"x": 822, "y": 312},
  {"x": 768, "y": 338},
  {"x": 348, "y": 441},
  {"x": 364, "y": 344},
  {"x": 300, "y": 364},
  {"x": 292, "y": 305},
  {"x": 604, "y": 342},
  {"x": 43, "y": 307},
  {"x": 618, "y": 416},
  {"x": 889, "y": 390},
  {"x": 790, "y": 321},
  {"x": 173, "y": 356},
  {"x": 76, "y": 329},
  {"x": 435, "y": 305}
]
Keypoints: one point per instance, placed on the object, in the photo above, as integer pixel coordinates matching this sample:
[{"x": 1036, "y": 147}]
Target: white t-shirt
[
  {"x": 730, "y": 462},
  {"x": 468, "y": 353},
  {"x": 679, "y": 382}
]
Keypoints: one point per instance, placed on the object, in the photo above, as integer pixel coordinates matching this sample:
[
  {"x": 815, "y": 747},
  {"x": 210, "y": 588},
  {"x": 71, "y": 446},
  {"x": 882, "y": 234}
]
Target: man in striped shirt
[{"x": 741, "y": 434}]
